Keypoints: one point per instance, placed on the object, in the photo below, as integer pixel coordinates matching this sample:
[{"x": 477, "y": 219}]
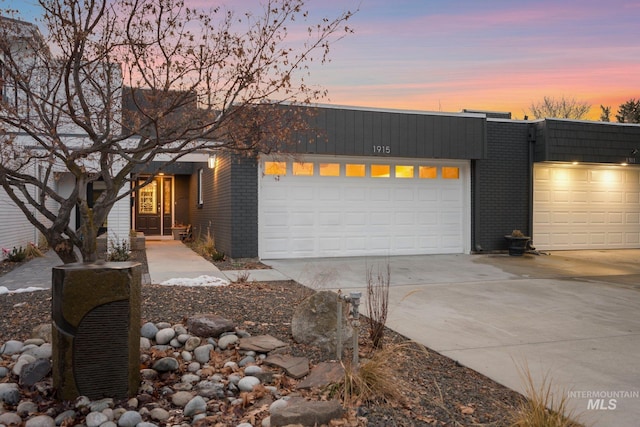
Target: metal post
[{"x": 354, "y": 298}]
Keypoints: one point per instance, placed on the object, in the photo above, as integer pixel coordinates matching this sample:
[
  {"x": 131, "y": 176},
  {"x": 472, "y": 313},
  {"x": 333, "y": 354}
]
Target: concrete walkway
[
  {"x": 572, "y": 316},
  {"x": 171, "y": 259}
]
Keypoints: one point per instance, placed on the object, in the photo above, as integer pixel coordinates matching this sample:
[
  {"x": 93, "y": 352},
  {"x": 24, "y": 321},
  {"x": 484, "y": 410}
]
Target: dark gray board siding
[
  {"x": 586, "y": 142},
  {"x": 359, "y": 132}
]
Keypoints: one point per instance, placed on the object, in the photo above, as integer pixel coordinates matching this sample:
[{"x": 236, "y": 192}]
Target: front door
[{"x": 154, "y": 207}]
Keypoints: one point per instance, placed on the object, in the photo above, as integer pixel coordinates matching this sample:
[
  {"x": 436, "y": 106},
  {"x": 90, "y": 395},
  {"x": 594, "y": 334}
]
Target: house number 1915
[{"x": 382, "y": 149}]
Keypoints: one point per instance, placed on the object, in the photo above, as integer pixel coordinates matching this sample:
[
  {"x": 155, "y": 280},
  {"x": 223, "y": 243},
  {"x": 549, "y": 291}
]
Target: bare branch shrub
[{"x": 377, "y": 303}]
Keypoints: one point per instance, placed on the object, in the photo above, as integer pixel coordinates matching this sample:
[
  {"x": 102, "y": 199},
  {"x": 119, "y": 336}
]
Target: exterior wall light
[{"x": 211, "y": 162}]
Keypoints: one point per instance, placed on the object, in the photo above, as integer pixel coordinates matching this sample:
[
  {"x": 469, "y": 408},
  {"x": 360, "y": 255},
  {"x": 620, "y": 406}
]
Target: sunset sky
[{"x": 446, "y": 55}]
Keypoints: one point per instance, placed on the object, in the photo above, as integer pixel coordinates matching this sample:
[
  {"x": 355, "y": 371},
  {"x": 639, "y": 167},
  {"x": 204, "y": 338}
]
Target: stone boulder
[
  {"x": 209, "y": 325},
  {"x": 315, "y": 322}
]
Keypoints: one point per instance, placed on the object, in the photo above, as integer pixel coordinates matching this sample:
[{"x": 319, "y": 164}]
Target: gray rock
[
  {"x": 252, "y": 370},
  {"x": 307, "y": 413},
  {"x": 148, "y": 374},
  {"x": 190, "y": 378},
  {"x": 180, "y": 329},
  {"x": 10, "y": 418},
  {"x": 197, "y": 405},
  {"x": 186, "y": 356},
  {"x": 40, "y": 421},
  {"x": 182, "y": 338},
  {"x": 261, "y": 344},
  {"x": 248, "y": 383},
  {"x": 166, "y": 364},
  {"x": 227, "y": 341},
  {"x": 11, "y": 347},
  {"x": 35, "y": 341},
  {"x": 129, "y": 419},
  {"x": 4, "y": 371},
  {"x": 26, "y": 408},
  {"x": 42, "y": 331},
  {"x": 145, "y": 343},
  {"x": 295, "y": 367},
  {"x": 9, "y": 393},
  {"x": 69, "y": 414},
  {"x": 192, "y": 343},
  {"x": 95, "y": 419},
  {"x": 159, "y": 414},
  {"x": 22, "y": 361},
  {"x": 101, "y": 405},
  {"x": 181, "y": 398},
  {"x": 149, "y": 330},
  {"x": 246, "y": 360},
  {"x": 234, "y": 379},
  {"x": 39, "y": 352},
  {"x": 209, "y": 325},
  {"x": 164, "y": 336},
  {"x": 146, "y": 424},
  {"x": 315, "y": 321},
  {"x": 202, "y": 353},
  {"x": 34, "y": 372}
]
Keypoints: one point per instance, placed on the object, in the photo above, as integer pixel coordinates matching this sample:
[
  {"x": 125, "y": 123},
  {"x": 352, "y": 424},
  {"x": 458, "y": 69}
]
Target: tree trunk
[{"x": 64, "y": 249}]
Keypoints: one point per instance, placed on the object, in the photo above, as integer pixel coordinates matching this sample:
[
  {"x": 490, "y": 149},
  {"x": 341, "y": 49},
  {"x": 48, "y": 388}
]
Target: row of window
[{"x": 360, "y": 170}]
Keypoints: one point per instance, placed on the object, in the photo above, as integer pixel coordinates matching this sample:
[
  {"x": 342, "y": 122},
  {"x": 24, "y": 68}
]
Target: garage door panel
[
  {"x": 586, "y": 207},
  {"x": 354, "y": 216}
]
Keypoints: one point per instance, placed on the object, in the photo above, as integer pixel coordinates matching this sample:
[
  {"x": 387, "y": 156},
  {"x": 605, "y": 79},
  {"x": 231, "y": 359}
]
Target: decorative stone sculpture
[{"x": 96, "y": 330}]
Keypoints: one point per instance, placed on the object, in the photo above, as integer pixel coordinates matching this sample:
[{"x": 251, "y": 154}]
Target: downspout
[{"x": 531, "y": 140}]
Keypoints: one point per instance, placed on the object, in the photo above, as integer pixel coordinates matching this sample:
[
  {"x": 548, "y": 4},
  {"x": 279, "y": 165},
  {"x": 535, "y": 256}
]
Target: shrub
[
  {"x": 15, "y": 254},
  {"x": 373, "y": 380},
  {"x": 207, "y": 248},
  {"x": 541, "y": 408},
  {"x": 377, "y": 303},
  {"x": 119, "y": 251},
  {"x": 33, "y": 251}
]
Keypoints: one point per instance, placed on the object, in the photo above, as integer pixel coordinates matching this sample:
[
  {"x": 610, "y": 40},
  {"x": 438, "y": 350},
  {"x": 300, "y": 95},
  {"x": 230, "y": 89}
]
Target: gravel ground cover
[{"x": 435, "y": 390}]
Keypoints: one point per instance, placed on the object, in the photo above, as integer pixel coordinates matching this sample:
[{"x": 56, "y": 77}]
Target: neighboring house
[{"x": 37, "y": 69}]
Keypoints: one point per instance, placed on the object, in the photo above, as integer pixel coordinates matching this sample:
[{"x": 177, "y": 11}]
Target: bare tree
[
  {"x": 563, "y": 108},
  {"x": 605, "y": 113},
  {"x": 193, "y": 80}
]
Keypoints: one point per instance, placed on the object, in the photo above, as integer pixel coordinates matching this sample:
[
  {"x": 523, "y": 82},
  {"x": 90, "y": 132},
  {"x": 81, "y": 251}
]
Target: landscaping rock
[
  {"x": 209, "y": 325},
  {"x": 295, "y": 367},
  {"x": 315, "y": 321},
  {"x": 307, "y": 413}
]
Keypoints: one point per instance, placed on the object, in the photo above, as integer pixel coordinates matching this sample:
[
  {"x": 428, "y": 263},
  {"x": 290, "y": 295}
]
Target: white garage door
[
  {"x": 329, "y": 207},
  {"x": 586, "y": 207}
]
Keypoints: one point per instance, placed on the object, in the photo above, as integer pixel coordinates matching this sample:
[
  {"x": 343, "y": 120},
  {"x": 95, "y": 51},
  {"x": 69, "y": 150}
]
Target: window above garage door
[{"x": 360, "y": 170}]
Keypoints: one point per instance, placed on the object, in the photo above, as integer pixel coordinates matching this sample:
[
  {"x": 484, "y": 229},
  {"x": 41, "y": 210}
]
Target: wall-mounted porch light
[{"x": 211, "y": 162}]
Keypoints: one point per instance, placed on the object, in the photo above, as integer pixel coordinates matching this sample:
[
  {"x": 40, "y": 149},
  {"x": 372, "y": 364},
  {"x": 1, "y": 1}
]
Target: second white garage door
[
  {"x": 586, "y": 207},
  {"x": 329, "y": 207}
]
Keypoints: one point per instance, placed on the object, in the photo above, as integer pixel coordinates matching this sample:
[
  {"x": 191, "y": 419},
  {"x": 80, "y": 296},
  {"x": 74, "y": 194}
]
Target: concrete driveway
[{"x": 573, "y": 316}]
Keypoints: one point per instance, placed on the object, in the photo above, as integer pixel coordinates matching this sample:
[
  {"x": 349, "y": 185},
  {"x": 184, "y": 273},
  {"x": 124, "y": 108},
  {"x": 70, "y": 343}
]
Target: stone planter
[
  {"x": 96, "y": 330},
  {"x": 517, "y": 244},
  {"x": 177, "y": 231},
  {"x": 137, "y": 242}
]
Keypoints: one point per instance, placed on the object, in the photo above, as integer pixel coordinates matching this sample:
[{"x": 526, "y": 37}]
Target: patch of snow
[
  {"x": 198, "y": 281},
  {"x": 5, "y": 290}
]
